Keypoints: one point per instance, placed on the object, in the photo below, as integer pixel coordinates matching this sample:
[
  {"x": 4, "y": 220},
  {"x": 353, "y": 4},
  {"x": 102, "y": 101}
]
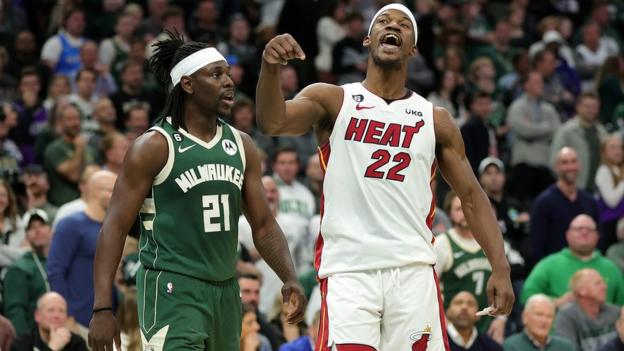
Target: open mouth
[
  {"x": 228, "y": 97},
  {"x": 391, "y": 39}
]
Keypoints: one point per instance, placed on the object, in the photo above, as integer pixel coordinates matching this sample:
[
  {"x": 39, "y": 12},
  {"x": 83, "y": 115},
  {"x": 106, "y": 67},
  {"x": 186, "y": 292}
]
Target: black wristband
[{"x": 102, "y": 309}]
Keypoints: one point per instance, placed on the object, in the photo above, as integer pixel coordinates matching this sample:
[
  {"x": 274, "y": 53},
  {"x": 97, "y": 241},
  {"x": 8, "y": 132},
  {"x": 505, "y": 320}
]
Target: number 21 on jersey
[{"x": 213, "y": 221}]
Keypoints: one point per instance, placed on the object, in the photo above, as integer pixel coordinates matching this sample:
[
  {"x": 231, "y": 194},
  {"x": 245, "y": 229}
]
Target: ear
[
  {"x": 186, "y": 83},
  {"x": 37, "y": 317},
  {"x": 413, "y": 51},
  {"x": 366, "y": 42}
]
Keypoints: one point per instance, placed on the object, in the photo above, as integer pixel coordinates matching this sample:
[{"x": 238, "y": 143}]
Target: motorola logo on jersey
[
  {"x": 358, "y": 97},
  {"x": 229, "y": 147},
  {"x": 409, "y": 111}
]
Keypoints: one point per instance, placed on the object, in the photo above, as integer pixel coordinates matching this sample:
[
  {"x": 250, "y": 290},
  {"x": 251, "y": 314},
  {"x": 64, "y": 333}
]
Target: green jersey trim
[
  {"x": 164, "y": 173},
  {"x": 241, "y": 147}
]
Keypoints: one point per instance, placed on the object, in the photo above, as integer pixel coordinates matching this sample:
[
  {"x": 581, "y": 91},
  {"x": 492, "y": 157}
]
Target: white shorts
[{"x": 395, "y": 309}]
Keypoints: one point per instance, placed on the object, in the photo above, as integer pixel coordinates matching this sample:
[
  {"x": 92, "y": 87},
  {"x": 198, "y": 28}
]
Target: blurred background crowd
[{"x": 536, "y": 87}]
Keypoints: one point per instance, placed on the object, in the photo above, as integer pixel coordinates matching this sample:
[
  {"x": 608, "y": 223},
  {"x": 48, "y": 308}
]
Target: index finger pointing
[{"x": 296, "y": 47}]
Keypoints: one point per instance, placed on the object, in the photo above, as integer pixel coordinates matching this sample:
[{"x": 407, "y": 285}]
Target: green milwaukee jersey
[
  {"x": 190, "y": 221},
  {"x": 469, "y": 271}
]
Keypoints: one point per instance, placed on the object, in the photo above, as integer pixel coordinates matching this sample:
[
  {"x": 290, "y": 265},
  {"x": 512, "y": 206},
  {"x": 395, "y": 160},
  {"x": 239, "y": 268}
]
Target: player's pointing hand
[
  {"x": 294, "y": 302},
  {"x": 282, "y": 49}
]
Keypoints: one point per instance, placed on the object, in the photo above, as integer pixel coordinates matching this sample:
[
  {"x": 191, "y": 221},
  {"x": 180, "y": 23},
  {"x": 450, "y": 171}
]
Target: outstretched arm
[
  {"x": 275, "y": 116},
  {"x": 457, "y": 171},
  {"x": 268, "y": 236},
  {"x": 144, "y": 160}
]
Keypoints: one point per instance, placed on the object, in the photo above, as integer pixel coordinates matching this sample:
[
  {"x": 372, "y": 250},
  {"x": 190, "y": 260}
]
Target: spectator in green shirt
[{"x": 66, "y": 157}]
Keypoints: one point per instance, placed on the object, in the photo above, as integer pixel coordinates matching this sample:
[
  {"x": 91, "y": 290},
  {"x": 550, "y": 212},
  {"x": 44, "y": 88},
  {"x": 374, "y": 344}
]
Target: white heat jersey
[{"x": 377, "y": 201}]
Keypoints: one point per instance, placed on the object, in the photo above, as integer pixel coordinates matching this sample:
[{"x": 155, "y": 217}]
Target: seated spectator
[
  {"x": 10, "y": 155},
  {"x": 61, "y": 52},
  {"x": 7, "y": 333},
  {"x": 556, "y": 88},
  {"x": 250, "y": 284},
  {"x": 447, "y": 95},
  {"x": 478, "y": 134},
  {"x": 610, "y": 87},
  {"x": 589, "y": 321},
  {"x": 114, "y": 148},
  {"x": 12, "y": 236},
  {"x": 295, "y": 198},
  {"x": 555, "y": 207},
  {"x": 8, "y": 83},
  {"x": 84, "y": 97},
  {"x": 114, "y": 51},
  {"x": 136, "y": 121},
  {"x": 243, "y": 119},
  {"x": 305, "y": 342},
  {"x": 27, "y": 278},
  {"x": 66, "y": 158},
  {"x": 617, "y": 343},
  {"x": 462, "y": 317},
  {"x": 132, "y": 91},
  {"x": 616, "y": 251},
  {"x": 79, "y": 204},
  {"x": 609, "y": 182},
  {"x": 250, "y": 338},
  {"x": 513, "y": 220},
  {"x": 349, "y": 57},
  {"x": 592, "y": 53},
  {"x": 31, "y": 115},
  {"x": 129, "y": 322},
  {"x": 584, "y": 134},
  {"x": 461, "y": 264},
  {"x": 237, "y": 44},
  {"x": 104, "y": 118},
  {"x": 104, "y": 81},
  {"x": 537, "y": 317},
  {"x": 37, "y": 188},
  {"x": 50, "y": 333},
  {"x": 552, "y": 274}
]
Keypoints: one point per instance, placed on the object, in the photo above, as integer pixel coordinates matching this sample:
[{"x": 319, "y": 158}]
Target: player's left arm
[
  {"x": 267, "y": 234},
  {"x": 457, "y": 171}
]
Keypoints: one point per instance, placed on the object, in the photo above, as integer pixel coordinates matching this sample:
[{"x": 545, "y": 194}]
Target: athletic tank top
[
  {"x": 69, "y": 60},
  {"x": 190, "y": 221},
  {"x": 377, "y": 206},
  {"x": 470, "y": 271}
]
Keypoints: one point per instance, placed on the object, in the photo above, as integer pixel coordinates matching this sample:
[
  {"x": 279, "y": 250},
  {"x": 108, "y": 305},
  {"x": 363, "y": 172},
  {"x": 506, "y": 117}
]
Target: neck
[
  {"x": 130, "y": 90},
  {"x": 541, "y": 340},
  {"x": 585, "y": 123},
  {"x": 464, "y": 232},
  {"x": 113, "y": 167},
  {"x": 85, "y": 96},
  {"x": 496, "y": 195},
  {"x": 45, "y": 335},
  {"x": 37, "y": 200},
  {"x": 106, "y": 128},
  {"x": 590, "y": 307},
  {"x": 68, "y": 138},
  {"x": 385, "y": 83},
  {"x": 198, "y": 123},
  {"x": 95, "y": 212},
  {"x": 41, "y": 250},
  {"x": 569, "y": 190},
  {"x": 465, "y": 333},
  {"x": 583, "y": 257}
]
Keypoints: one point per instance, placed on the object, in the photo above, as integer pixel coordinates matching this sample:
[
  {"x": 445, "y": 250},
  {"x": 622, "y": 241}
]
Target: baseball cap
[
  {"x": 486, "y": 162},
  {"x": 35, "y": 213}
]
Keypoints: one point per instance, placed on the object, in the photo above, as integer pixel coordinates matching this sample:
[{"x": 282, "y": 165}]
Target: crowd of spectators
[{"x": 536, "y": 88}]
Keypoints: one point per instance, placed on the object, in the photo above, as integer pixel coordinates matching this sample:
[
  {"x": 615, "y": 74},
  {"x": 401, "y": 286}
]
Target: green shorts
[{"x": 177, "y": 312}]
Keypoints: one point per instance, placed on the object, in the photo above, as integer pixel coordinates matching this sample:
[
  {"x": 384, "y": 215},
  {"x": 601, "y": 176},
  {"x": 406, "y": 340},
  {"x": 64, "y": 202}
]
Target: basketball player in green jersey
[{"x": 189, "y": 177}]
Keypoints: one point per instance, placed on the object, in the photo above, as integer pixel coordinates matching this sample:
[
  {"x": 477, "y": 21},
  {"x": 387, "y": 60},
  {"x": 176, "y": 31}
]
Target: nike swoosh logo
[
  {"x": 182, "y": 149},
  {"x": 358, "y": 107}
]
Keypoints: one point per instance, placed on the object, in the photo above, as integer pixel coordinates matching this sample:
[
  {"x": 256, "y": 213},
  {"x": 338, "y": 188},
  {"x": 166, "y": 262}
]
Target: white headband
[
  {"x": 401, "y": 8},
  {"x": 194, "y": 62}
]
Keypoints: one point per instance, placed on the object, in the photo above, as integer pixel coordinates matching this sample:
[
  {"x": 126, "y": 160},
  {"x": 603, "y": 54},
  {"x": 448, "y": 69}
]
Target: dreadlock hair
[{"x": 166, "y": 55}]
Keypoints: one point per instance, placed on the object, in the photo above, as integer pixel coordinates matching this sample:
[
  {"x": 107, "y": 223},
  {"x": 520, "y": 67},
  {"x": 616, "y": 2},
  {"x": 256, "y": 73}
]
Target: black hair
[
  {"x": 166, "y": 55},
  {"x": 285, "y": 149},
  {"x": 85, "y": 69}
]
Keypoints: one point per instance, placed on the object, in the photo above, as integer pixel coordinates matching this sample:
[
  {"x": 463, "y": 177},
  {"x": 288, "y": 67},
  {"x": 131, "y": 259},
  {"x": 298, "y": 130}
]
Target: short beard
[{"x": 387, "y": 65}]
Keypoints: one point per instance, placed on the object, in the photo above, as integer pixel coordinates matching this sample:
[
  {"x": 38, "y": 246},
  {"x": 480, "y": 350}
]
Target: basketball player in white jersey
[{"x": 380, "y": 145}]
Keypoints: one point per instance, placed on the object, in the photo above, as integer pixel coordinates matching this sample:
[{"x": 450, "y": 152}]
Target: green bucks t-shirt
[{"x": 189, "y": 225}]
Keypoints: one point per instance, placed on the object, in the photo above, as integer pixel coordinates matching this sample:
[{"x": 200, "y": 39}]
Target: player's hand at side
[
  {"x": 103, "y": 330},
  {"x": 294, "y": 302},
  {"x": 282, "y": 49},
  {"x": 500, "y": 293}
]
